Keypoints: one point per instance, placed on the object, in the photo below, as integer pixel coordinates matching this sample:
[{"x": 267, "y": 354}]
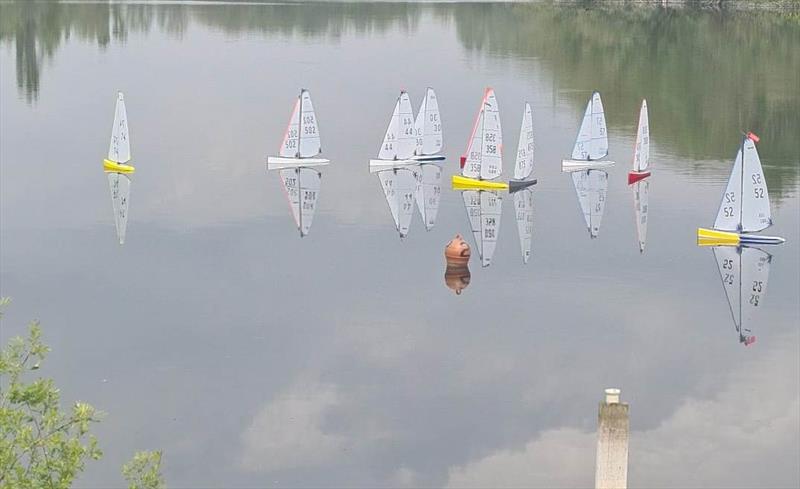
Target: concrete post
[{"x": 611, "y": 470}]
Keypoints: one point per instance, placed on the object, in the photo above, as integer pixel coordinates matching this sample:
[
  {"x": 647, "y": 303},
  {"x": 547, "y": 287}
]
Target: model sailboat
[
  {"x": 301, "y": 145},
  {"x": 428, "y": 129},
  {"x": 745, "y": 204},
  {"x": 641, "y": 155},
  {"x": 744, "y": 272},
  {"x": 483, "y": 161},
  {"x": 299, "y": 153},
  {"x": 591, "y": 187},
  {"x": 524, "y": 167},
  {"x": 117, "y": 167},
  {"x": 592, "y": 142},
  {"x": 399, "y": 142}
]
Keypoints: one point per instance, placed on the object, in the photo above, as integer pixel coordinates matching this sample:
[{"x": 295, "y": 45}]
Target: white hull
[
  {"x": 580, "y": 165},
  {"x": 428, "y": 157},
  {"x": 280, "y": 162},
  {"x": 380, "y": 165}
]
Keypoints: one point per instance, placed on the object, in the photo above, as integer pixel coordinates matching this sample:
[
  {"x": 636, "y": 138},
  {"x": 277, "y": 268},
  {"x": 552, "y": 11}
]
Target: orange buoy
[
  {"x": 457, "y": 275},
  {"x": 457, "y": 251}
]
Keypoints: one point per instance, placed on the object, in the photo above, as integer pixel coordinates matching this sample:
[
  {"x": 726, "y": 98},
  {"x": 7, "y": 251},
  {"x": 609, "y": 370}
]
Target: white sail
[
  {"x": 592, "y": 140},
  {"x": 591, "y": 187},
  {"x": 472, "y": 164},
  {"x": 755, "y": 209},
  {"x": 492, "y": 147},
  {"x": 120, "y": 199},
  {"x": 484, "y": 211},
  {"x": 399, "y": 141},
  {"x": 399, "y": 186},
  {"x": 524, "y": 166},
  {"x": 302, "y": 187},
  {"x": 428, "y": 126},
  {"x": 641, "y": 191},
  {"x": 744, "y": 272},
  {"x": 523, "y": 206},
  {"x": 119, "y": 150},
  {"x": 730, "y": 209},
  {"x": 641, "y": 156},
  {"x": 290, "y": 146},
  {"x": 428, "y": 192},
  {"x": 310, "y": 143}
]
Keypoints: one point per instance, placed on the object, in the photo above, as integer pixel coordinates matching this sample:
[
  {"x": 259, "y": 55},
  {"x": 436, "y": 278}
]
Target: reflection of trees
[
  {"x": 38, "y": 28},
  {"x": 706, "y": 75}
]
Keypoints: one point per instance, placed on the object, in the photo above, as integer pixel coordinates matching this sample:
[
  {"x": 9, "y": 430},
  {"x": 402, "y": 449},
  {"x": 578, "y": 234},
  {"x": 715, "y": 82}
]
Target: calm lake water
[{"x": 255, "y": 358}]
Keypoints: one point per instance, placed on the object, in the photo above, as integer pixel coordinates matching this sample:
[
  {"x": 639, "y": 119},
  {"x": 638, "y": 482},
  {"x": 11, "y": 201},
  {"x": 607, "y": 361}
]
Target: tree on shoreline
[{"x": 41, "y": 446}]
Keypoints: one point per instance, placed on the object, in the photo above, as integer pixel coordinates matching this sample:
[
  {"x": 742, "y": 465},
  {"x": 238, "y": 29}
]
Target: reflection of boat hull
[
  {"x": 635, "y": 176},
  {"x": 463, "y": 183},
  {"x": 713, "y": 237},
  {"x": 114, "y": 167},
  {"x": 381, "y": 165},
  {"x": 428, "y": 157},
  {"x": 280, "y": 162},
  {"x": 580, "y": 165}
]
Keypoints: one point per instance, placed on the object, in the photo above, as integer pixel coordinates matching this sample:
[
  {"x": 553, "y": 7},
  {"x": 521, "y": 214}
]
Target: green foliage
[
  {"x": 41, "y": 447},
  {"x": 144, "y": 471}
]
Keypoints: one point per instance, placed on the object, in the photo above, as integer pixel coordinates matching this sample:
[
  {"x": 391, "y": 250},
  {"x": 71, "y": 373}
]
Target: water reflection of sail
[
  {"x": 744, "y": 272},
  {"x": 399, "y": 187},
  {"x": 302, "y": 189},
  {"x": 484, "y": 209},
  {"x": 120, "y": 198},
  {"x": 641, "y": 190},
  {"x": 523, "y": 207},
  {"x": 428, "y": 192},
  {"x": 591, "y": 187}
]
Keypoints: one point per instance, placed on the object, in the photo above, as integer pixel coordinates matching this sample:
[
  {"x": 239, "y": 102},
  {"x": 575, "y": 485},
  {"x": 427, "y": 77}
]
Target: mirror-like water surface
[{"x": 254, "y": 357}]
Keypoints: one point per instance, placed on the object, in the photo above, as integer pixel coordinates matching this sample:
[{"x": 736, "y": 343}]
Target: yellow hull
[
  {"x": 712, "y": 237},
  {"x": 464, "y": 183},
  {"x": 114, "y": 167}
]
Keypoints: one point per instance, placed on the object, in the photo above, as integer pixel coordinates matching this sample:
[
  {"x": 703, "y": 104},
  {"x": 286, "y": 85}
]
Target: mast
[
  {"x": 483, "y": 141},
  {"x": 299, "y": 126},
  {"x": 741, "y": 208}
]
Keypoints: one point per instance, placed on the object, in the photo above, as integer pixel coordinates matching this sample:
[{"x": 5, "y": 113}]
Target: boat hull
[
  {"x": 515, "y": 185},
  {"x": 637, "y": 176},
  {"x": 464, "y": 183},
  {"x": 713, "y": 237},
  {"x": 428, "y": 157},
  {"x": 280, "y": 162},
  {"x": 581, "y": 165},
  {"x": 114, "y": 167}
]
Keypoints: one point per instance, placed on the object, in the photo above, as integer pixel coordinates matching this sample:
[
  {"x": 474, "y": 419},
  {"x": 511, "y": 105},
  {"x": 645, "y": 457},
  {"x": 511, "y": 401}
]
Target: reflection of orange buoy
[
  {"x": 457, "y": 254},
  {"x": 457, "y": 251}
]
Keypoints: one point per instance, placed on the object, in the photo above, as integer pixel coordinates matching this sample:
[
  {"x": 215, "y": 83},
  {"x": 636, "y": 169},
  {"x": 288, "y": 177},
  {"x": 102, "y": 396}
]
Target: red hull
[{"x": 635, "y": 176}]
